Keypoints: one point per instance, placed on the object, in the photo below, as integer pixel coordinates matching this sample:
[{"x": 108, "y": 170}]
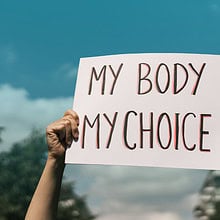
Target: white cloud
[
  {"x": 130, "y": 192},
  {"x": 141, "y": 216},
  {"x": 215, "y": 8},
  {"x": 19, "y": 114},
  {"x": 11, "y": 56},
  {"x": 8, "y": 55},
  {"x": 67, "y": 70}
]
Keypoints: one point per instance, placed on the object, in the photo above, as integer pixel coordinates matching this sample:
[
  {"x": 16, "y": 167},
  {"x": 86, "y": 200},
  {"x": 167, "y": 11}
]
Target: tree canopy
[
  {"x": 20, "y": 170},
  {"x": 1, "y": 129}
]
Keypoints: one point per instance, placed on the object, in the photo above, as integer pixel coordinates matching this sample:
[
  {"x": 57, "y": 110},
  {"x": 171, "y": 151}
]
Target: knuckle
[
  {"x": 66, "y": 122},
  {"x": 72, "y": 114},
  {"x": 48, "y": 129},
  {"x": 68, "y": 111}
]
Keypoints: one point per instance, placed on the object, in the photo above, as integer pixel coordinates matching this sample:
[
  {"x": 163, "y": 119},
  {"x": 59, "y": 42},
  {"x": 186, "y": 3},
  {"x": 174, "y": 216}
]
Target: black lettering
[
  {"x": 183, "y": 131},
  {"x": 164, "y": 115},
  {"x": 126, "y": 129},
  {"x": 115, "y": 76},
  {"x": 91, "y": 125},
  {"x": 112, "y": 125},
  {"x": 175, "y": 81},
  {"x": 202, "y": 132},
  {"x": 98, "y": 77},
  {"x": 144, "y": 78},
  {"x": 142, "y": 130},
  {"x": 157, "y": 78},
  {"x": 199, "y": 74},
  {"x": 176, "y": 131}
]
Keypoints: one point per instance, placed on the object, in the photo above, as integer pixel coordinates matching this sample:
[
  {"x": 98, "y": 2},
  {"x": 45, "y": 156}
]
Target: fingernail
[{"x": 76, "y": 136}]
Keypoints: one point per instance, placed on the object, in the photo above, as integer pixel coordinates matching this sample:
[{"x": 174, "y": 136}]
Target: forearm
[
  {"x": 45, "y": 200},
  {"x": 60, "y": 135}
]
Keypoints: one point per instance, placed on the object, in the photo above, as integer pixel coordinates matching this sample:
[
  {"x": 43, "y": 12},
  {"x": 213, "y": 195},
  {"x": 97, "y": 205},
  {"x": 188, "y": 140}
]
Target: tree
[
  {"x": 20, "y": 170},
  {"x": 216, "y": 216},
  {"x": 1, "y": 129}
]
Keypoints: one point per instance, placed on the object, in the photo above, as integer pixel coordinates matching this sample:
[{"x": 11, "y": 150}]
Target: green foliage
[
  {"x": 216, "y": 216},
  {"x": 20, "y": 170},
  {"x": 1, "y": 129}
]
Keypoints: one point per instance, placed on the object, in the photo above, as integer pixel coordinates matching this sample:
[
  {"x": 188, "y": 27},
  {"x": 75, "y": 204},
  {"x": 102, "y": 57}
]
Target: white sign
[{"x": 148, "y": 110}]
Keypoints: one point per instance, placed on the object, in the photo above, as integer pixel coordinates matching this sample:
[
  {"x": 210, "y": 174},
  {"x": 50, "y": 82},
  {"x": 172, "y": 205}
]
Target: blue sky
[
  {"x": 47, "y": 38},
  {"x": 41, "y": 43}
]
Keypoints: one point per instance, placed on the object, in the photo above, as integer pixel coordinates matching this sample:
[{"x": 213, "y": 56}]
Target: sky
[{"x": 41, "y": 43}]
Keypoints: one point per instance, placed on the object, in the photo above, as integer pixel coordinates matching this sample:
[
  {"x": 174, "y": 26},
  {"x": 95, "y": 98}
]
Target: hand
[{"x": 61, "y": 133}]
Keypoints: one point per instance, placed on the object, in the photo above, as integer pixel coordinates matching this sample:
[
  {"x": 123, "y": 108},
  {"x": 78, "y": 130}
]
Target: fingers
[
  {"x": 72, "y": 123},
  {"x": 61, "y": 133},
  {"x": 71, "y": 130},
  {"x": 64, "y": 130},
  {"x": 71, "y": 113},
  {"x": 56, "y": 133}
]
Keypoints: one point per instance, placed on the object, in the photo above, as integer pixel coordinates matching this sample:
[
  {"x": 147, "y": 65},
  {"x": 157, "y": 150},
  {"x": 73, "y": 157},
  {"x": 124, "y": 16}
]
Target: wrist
[{"x": 56, "y": 162}]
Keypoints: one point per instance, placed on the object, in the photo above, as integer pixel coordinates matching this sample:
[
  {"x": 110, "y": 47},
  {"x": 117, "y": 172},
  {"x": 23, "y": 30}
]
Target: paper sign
[{"x": 148, "y": 110}]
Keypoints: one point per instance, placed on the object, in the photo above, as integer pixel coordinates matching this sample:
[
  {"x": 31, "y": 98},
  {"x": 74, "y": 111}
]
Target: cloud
[
  {"x": 8, "y": 55},
  {"x": 141, "y": 216},
  {"x": 19, "y": 114},
  {"x": 141, "y": 192},
  {"x": 215, "y": 8},
  {"x": 67, "y": 70},
  {"x": 11, "y": 56}
]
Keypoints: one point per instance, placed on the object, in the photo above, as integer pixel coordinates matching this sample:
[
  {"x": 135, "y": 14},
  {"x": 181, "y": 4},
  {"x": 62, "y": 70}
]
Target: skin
[{"x": 60, "y": 135}]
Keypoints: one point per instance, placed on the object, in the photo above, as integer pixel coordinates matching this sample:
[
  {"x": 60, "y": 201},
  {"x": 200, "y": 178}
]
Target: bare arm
[{"x": 60, "y": 135}]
